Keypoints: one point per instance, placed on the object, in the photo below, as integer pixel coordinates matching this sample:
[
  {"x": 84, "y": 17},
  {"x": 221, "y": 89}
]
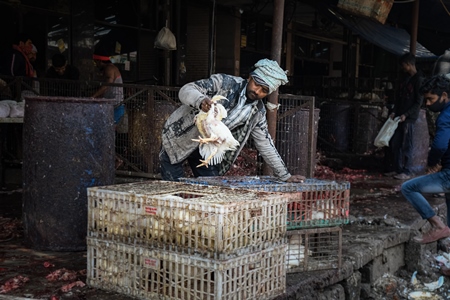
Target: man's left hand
[{"x": 296, "y": 178}]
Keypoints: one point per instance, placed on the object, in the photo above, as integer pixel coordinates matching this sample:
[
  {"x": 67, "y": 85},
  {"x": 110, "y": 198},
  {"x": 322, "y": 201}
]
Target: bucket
[{"x": 68, "y": 147}]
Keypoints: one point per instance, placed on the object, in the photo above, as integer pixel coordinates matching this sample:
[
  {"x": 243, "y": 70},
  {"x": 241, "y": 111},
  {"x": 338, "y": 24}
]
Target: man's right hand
[
  {"x": 433, "y": 169},
  {"x": 206, "y": 104}
]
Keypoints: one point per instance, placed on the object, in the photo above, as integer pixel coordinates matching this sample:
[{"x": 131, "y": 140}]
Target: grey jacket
[{"x": 245, "y": 119}]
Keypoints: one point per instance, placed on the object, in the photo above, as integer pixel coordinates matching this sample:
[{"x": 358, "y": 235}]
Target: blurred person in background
[
  {"x": 16, "y": 60},
  {"x": 408, "y": 102},
  {"x": 61, "y": 70}
]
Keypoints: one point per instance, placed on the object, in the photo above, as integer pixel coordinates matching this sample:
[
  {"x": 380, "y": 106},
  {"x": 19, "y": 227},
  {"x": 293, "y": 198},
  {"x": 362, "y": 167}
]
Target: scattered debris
[
  {"x": 62, "y": 275},
  {"x": 9, "y": 229},
  {"x": 347, "y": 174},
  {"x": 13, "y": 284},
  {"x": 48, "y": 264},
  {"x": 69, "y": 286}
]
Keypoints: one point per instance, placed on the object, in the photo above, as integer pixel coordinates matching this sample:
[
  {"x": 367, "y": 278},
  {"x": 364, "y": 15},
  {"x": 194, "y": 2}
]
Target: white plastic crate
[
  {"x": 147, "y": 273},
  {"x": 213, "y": 221},
  {"x": 314, "y": 249},
  {"x": 313, "y": 203}
]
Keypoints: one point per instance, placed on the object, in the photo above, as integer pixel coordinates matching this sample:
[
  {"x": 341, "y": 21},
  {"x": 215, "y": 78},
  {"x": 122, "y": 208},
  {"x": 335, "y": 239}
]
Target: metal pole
[
  {"x": 212, "y": 40},
  {"x": 277, "y": 39},
  {"x": 414, "y": 26}
]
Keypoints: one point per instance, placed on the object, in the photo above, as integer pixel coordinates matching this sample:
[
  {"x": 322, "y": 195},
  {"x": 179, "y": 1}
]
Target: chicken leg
[
  {"x": 205, "y": 140},
  {"x": 206, "y": 161}
]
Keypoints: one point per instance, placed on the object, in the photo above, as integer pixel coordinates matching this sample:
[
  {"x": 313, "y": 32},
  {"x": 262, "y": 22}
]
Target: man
[
  {"x": 406, "y": 106},
  {"x": 15, "y": 61},
  {"x": 61, "y": 70},
  {"x": 110, "y": 74},
  {"x": 246, "y": 118},
  {"x": 436, "y": 92}
]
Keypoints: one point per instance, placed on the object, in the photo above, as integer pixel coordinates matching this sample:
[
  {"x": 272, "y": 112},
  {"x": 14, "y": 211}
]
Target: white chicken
[{"x": 215, "y": 137}]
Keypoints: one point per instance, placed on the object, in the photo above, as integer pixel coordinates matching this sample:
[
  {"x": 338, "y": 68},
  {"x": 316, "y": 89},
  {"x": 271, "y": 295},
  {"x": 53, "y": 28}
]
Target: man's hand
[
  {"x": 433, "y": 169},
  {"x": 206, "y": 104},
  {"x": 296, "y": 178}
]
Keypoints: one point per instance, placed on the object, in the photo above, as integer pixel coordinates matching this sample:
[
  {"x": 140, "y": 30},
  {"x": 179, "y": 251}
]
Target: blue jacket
[{"x": 440, "y": 149}]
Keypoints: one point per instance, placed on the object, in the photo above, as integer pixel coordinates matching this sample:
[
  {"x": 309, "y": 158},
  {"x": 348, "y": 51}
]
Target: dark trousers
[
  {"x": 402, "y": 147},
  {"x": 173, "y": 172}
]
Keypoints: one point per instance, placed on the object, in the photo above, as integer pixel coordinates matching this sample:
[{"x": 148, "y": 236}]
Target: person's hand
[
  {"x": 402, "y": 118},
  {"x": 391, "y": 116},
  {"x": 296, "y": 178},
  {"x": 433, "y": 169},
  {"x": 206, "y": 104}
]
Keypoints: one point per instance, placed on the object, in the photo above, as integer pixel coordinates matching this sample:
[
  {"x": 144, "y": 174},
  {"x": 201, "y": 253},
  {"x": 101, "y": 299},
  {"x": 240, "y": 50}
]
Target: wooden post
[{"x": 277, "y": 39}]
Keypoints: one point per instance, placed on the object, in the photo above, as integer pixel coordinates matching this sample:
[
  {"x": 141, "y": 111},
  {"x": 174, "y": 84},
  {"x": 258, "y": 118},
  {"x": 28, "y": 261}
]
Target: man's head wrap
[{"x": 269, "y": 74}]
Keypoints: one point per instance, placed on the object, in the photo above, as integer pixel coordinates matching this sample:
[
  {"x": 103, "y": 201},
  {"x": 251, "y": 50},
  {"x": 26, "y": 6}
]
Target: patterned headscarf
[{"x": 269, "y": 73}]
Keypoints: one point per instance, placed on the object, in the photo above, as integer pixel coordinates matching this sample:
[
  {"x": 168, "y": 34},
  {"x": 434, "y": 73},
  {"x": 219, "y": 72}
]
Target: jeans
[
  {"x": 428, "y": 184},
  {"x": 401, "y": 145},
  {"x": 172, "y": 172}
]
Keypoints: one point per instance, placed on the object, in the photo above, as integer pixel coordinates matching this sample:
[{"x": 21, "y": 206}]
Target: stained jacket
[
  {"x": 245, "y": 119},
  {"x": 440, "y": 149}
]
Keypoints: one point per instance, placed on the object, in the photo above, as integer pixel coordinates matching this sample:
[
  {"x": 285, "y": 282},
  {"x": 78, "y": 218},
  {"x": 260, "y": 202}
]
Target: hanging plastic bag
[
  {"x": 165, "y": 40},
  {"x": 386, "y": 132}
]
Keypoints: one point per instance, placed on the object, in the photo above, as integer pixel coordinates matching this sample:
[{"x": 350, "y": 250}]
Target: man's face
[
  {"x": 435, "y": 102},
  {"x": 256, "y": 91},
  {"x": 405, "y": 67},
  {"x": 26, "y": 47},
  {"x": 98, "y": 63},
  {"x": 32, "y": 57},
  {"x": 60, "y": 70}
]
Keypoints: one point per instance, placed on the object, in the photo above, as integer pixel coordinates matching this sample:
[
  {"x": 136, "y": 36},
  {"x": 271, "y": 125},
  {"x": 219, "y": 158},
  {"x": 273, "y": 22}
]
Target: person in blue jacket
[{"x": 436, "y": 92}]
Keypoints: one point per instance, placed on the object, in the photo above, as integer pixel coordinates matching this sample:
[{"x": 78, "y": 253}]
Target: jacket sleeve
[
  {"x": 264, "y": 143},
  {"x": 194, "y": 93},
  {"x": 441, "y": 141},
  {"x": 418, "y": 98}
]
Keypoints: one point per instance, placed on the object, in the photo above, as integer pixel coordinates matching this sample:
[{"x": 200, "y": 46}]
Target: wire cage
[
  {"x": 314, "y": 249},
  {"x": 149, "y": 273},
  {"x": 215, "y": 222},
  {"x": 312, "y": 203},
  {"x": 296, "y": 133}
]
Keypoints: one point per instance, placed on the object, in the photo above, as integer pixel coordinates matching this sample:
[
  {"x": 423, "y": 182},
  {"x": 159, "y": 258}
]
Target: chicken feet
[{"x": 206, "y": 161}]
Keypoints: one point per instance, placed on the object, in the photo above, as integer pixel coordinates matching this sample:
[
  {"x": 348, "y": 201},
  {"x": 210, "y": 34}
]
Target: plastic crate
[
  {"x": 146, "y": 273},
  {"x": 213, "y": 221},
  {"x": 314, "y": 249},
  {"x": 313, "y": 203}
]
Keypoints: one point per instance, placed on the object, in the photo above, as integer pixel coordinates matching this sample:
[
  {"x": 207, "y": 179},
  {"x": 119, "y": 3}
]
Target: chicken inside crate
[
  {"x": 149, "y": 273},
  {"x": 314, "y": 249},
  {"x": 215, "y": 222},
  {"x": 312, "y": 203}
]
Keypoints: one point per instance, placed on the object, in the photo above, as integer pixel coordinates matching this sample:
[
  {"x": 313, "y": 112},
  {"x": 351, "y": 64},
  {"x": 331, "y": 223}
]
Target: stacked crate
[
  {"x": 168, "y": 240},
  {"x": 315, "y": 212}
]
